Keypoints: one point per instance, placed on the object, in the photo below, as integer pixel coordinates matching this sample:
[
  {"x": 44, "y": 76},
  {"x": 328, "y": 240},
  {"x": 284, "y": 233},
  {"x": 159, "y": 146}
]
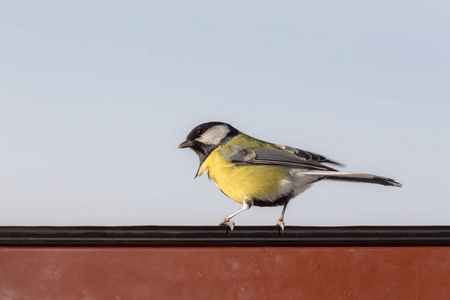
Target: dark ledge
[{"x": 213, "y": 236}]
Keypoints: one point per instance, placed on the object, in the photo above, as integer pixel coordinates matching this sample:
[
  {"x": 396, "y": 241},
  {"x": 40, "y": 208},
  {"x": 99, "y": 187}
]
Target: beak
[{"x": 185, "y": 144}]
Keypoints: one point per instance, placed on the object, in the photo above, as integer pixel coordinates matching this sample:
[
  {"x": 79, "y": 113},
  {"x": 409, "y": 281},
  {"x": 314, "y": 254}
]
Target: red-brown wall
[{"x": 224, "y": 273}]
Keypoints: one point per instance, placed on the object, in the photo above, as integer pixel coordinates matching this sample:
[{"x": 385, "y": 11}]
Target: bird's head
[{"x": 204, "y": 138}]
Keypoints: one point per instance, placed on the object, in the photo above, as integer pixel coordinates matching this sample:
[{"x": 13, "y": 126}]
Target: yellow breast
[{"x": 243, "y": 182}]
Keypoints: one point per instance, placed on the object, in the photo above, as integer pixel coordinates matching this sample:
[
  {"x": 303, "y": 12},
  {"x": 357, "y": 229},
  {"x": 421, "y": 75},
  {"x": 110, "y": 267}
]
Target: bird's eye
[{"x": 200, "y": 131}]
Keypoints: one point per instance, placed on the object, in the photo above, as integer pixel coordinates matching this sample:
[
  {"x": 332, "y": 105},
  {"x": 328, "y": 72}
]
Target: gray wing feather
[
  {"x": 308, "y": 155},
  {"x": 281, "y": 157}
]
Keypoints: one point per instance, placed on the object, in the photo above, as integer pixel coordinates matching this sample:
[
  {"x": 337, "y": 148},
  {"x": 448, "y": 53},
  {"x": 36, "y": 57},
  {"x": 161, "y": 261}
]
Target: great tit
[{"x": 253, "y": 172}]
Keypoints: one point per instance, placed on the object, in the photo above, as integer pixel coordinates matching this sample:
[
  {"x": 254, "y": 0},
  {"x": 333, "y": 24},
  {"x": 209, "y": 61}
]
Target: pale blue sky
[{"x": 95, "y": 97}]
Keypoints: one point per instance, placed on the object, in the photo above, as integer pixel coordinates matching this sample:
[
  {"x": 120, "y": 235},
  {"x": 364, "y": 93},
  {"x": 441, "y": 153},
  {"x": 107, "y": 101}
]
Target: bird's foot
[
  {"x": 227, "y": 222},
  {"x": 280, "y": 223}
]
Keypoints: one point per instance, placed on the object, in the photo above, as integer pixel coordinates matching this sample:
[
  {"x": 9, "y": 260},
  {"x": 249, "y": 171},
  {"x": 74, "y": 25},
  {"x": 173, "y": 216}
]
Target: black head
[{"x": 207, "y": 136}]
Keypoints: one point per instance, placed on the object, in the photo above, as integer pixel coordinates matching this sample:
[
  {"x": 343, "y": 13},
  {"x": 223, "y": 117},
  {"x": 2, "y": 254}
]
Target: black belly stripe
[{"x": 277, "y": 202}]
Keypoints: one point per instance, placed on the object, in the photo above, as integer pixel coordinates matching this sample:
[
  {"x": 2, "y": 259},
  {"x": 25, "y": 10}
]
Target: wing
[
  {"x": 308, "y": 156},
  {"x": 279, "y": 155}
]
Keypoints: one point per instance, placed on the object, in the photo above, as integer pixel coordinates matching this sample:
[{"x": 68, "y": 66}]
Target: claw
[
  {"x": 280, "y": 223},
  {"x": 227, "y": 222}
]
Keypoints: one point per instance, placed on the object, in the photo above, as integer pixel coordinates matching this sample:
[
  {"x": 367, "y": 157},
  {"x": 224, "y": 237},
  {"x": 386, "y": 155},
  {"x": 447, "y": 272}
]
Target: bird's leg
[
  {"x": 280, "y": 221},
  {"x": 246, "y": 204}
]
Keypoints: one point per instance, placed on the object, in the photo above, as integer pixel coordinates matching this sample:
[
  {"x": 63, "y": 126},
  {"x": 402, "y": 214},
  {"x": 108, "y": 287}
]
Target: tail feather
[{"x": 357, "y": 177}]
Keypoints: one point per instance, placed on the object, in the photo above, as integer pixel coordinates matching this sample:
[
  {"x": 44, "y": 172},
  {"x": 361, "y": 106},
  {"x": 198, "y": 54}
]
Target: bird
[{"x": 253, "y": 172}]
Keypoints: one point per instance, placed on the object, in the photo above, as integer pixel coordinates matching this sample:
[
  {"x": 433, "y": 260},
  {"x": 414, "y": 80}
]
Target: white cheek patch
[{"x": 214, "y": 135}]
